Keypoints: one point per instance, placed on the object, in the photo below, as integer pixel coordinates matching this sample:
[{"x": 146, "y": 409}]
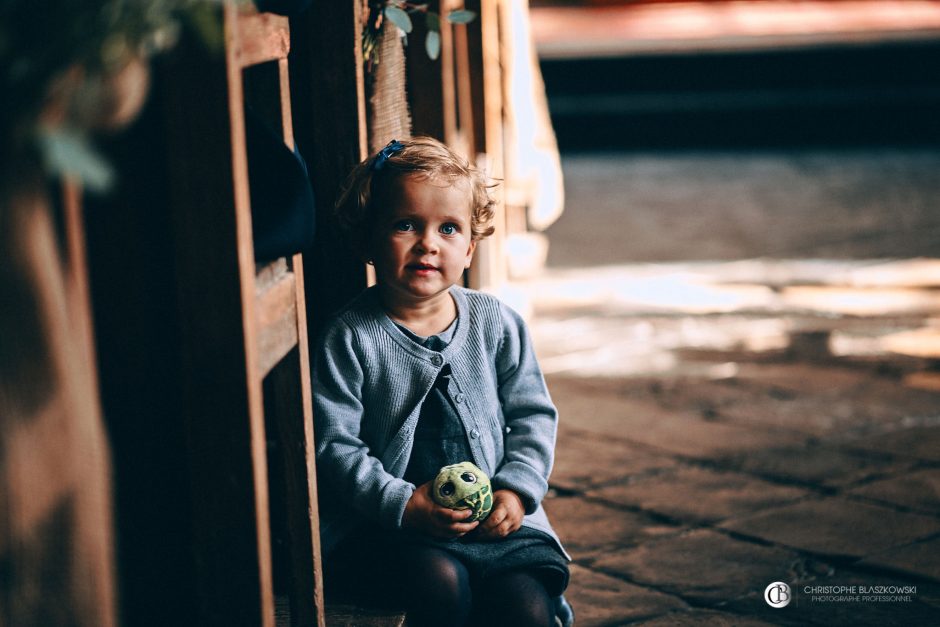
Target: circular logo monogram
[{"x": 777, "y": 594}]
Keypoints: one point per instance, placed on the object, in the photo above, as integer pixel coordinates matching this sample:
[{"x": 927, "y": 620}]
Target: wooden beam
[
  {"x": 277, "y": 322},
  {"x": 328, "y": 102},
  {"x": 489, "y": 267},
  {"x": 292, "y": 412},
  {"x": 261, "y": 37},
  {"x": 222, "y": 402},
  {"x": 425, "y": 83}
]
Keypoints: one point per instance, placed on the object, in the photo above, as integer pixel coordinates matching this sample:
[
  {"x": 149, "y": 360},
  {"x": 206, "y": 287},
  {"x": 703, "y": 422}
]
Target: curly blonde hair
[{"x": 369, "y": 187}]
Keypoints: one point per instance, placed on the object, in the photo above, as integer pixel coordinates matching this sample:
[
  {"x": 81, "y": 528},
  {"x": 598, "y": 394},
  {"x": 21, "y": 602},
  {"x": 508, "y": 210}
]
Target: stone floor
[{"x": 729, "y": 424}]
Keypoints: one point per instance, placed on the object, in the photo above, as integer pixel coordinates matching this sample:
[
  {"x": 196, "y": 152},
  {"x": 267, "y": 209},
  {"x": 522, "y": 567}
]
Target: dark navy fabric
[
  {"x": 440, "y": 440},
  {"x": 283, "y": 211}
]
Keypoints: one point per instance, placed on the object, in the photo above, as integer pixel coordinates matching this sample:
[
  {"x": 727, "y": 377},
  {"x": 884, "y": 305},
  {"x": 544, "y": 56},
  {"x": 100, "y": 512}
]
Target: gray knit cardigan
[{"x": 369, "y": 381}]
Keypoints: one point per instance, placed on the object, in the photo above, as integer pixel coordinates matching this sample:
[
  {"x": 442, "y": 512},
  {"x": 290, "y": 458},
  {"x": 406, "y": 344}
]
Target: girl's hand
[
  {"x": 506, "y": 516},
  {"x": 424, "y": 515}
]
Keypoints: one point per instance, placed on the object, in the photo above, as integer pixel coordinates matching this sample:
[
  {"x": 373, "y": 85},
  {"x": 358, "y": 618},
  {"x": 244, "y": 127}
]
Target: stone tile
[
  {"x": 598, "y": 408},
  {"x": 919, "y": 490},
  {"x": 804, "y": 611},
  {"x": 700, "y": 495},
  {"x": 815, "y": 464},
  {"x": 836, "y": 526},
  {"x": 930, "y": 595},
  {"x": 588, "y": 407},
  {"x": 599, "y": 599},
  {"x": 919, "y": 558},
  {"x": 860, "y": 612},
  {"x": 584, "y": 460},
  {"x": 807, "y": 415},
  {"x": 690, "y": 436},
  {"x": 801, "y": 378},
  {"x": 702, "y": 566},
  {"x": 687, "y": 392},
  {"x": 823, "y": 401},
  {"x": 708, "y": 618},
  {"x": 921, "y": 442},
  {"x": 588, "y": 529}
]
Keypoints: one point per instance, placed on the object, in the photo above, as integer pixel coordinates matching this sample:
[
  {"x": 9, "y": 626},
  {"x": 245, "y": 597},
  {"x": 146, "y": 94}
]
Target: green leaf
[
  {"x": 433, "y": 44},
  {"x": 433, "y": 21},
  {"x": 399, "y": 18},
  {"x": 69, "y": 152},
  {"x": 461, "y": 17}
]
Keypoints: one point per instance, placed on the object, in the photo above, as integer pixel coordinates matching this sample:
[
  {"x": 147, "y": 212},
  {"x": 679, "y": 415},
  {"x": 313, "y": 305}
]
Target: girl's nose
[{"x": 427, "y": 242}]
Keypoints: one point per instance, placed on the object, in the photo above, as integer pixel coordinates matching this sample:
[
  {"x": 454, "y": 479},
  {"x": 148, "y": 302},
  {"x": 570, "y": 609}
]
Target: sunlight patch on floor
[{"x": 700, "y": 318}]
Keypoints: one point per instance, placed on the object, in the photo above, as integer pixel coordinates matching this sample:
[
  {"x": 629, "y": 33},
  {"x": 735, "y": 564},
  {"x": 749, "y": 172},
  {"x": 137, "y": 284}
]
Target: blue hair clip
[{"x": 389, "y": 150}]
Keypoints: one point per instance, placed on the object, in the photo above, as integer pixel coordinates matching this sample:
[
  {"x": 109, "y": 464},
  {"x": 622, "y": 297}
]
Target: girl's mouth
[{"x": 422, "y": 267}]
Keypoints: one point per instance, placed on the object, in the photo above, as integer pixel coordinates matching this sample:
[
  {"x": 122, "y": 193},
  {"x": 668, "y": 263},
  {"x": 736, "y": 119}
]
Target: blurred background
[{"x": 738, "y": 312}]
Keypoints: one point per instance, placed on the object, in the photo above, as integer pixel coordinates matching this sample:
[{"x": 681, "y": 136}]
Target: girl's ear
[{"x": 470, "y": 249}]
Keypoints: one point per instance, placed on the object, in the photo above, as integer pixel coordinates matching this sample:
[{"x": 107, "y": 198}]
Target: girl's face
[{"x": 423, "y": 244}]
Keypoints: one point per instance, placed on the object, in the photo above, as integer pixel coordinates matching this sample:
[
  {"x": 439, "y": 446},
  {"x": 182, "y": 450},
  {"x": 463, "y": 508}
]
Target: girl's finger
[
  {"x": 453, "y": 515},
  {"x": 495, "y": 519},
  {"x": 462, "y": 528}
]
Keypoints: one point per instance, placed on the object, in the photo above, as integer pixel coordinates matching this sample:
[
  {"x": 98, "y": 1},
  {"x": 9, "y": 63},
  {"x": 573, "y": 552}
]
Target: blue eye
[
  {"x": 449, "y": 229},
  {"x": 404, "y": 225}
]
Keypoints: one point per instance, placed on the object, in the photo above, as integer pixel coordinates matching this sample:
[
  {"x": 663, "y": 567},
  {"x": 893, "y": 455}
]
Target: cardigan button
[
  {"x": 474, "y": 434},
  {"x": 437, "y": 360},
  {"x": 459, "y": 398}
]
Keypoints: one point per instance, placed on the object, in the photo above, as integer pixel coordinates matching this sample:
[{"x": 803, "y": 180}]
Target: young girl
[{"x": 417, "y": 373}]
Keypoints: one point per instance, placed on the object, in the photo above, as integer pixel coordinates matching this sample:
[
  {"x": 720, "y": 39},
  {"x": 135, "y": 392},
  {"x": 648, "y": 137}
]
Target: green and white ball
[{"x": 464, "y": 486}]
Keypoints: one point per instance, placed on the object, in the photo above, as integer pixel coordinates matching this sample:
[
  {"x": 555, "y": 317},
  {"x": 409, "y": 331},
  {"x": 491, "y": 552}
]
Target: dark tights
[
  {"x": 435, "y": 588},
  {"x": 436, "y": 591},
  {"x": 515, "y": 598}
]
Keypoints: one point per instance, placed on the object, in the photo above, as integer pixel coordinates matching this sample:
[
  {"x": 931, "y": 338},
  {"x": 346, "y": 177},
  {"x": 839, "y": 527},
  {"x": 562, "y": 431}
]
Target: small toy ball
[{"x": 464, "y": 486}]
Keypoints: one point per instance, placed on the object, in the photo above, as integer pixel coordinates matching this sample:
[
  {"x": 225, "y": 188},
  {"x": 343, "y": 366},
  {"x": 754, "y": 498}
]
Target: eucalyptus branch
[{"x": 399, "y": 12}]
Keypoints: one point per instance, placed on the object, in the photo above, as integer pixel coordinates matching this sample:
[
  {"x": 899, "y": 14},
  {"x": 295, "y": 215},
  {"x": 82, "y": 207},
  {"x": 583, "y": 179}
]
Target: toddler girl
[{"x": 417, "y": 373}]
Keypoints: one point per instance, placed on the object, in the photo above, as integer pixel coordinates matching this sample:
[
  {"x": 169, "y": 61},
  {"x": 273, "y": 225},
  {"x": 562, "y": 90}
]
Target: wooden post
[
  {"x": 56, "y": 542},
  {"x": 222, "y": 395},
  {"x": 430, "y": 83},
  {"x": 328, "y": 102},
  {"x": 489, "y": 268}
]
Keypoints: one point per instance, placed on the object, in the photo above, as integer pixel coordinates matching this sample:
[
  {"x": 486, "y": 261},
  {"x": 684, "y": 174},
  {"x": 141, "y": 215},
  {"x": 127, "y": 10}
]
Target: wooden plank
[
  {"x": 463, "y": 85},
  {"x": 55, "y": 486},
  {"x": 249, "y": 29},
  {"x": 328, "y": 104},
  {"x": 328, "y": 110},
  {"x": 277, "y": 322},
  {"x": 38, "y": 456},
  {"x": 259, "y": 37},
  {"x": 476, "y": 71},
  {"x": 489, "y": 267},
  {"x": 291, "y": 408},
  {"x": 429, "y": 87},
  {"x": 448, "y": 78},
  {"x": 222, "y": 403},
  {"x": 345, "y": 616},
  {"x": 293, "y": 419},
  {"x": 79, "y": 294},
  {"x": 351, "y": 616},
  {"x": 269, "y": 274}
]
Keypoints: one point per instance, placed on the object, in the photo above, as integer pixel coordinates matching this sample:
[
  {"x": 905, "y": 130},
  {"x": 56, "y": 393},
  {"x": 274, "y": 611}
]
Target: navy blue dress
[{"x": 440, "y": 440}]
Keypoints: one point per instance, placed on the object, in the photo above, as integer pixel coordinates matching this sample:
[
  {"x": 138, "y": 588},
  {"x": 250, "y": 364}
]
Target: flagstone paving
[
  {"x": 678, "y": 511},
  {"x": 745, "y": 354}
]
